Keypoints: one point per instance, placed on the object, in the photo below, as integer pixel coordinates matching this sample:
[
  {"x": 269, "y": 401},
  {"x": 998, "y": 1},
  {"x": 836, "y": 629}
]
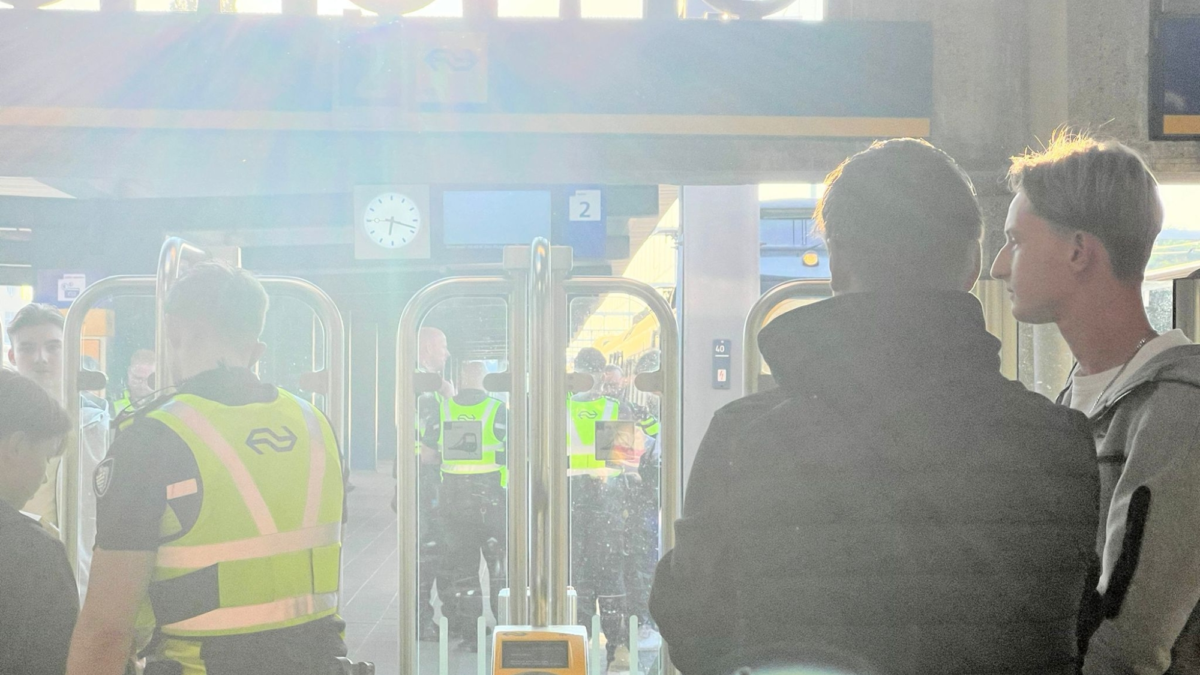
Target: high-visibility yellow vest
[
  {"x": 123, "y": 403},
  {"x": 581, "y": 435},
  {"x": 264, "y": 552},
  {"x": 484, "y": 446}
]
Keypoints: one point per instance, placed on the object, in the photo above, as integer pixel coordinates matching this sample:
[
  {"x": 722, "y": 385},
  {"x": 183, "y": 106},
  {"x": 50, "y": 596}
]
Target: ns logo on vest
[{"x": 267, "y": 439}]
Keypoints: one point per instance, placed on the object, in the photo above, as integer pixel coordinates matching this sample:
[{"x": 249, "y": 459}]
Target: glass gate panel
[
  {"x": 295, "y": 339},
  {"x": 461, "y": 437},
  {"x": 614, "y": 475},
  {"x": 115, "y": 363}
]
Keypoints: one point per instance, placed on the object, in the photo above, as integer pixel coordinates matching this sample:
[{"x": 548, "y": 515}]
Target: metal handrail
[
  {"x": 334, "y": 328},
  {"x": 407, "y": 462},
  {"x": 756, "y": 318},
  {"x": 72, "y": 468},
  {"x": 549, "y": 569},
  {"x": 170, "y": 264},
  {"x": 516, "y": 441},
  {"x": 671, "y": 400}
]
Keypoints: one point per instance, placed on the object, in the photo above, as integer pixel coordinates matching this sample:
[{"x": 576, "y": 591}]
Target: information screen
[
  {"x": 535, "y": 654},
  {"x": 494, "y": 217}
]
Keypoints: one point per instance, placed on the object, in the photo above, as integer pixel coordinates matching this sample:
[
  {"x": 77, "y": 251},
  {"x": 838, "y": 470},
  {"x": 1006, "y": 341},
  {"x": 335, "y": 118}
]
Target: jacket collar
[
  {"x": 1177, "y": 364},
  {"x": 874, "y": 335}
]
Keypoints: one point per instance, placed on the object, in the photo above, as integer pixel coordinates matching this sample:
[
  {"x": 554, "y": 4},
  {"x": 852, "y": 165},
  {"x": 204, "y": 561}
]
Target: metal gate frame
[{"x": 537, "y": 287}]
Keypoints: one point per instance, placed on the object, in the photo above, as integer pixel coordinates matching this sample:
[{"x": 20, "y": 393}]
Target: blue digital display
[{"x": 495, "y": 217}]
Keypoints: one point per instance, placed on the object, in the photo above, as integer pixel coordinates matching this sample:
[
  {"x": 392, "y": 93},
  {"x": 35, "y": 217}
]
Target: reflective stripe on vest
[
  {"x": 316, "y": 465},
  {"x": 249, "y": 616},
  {"x": 244, "y": 549}
]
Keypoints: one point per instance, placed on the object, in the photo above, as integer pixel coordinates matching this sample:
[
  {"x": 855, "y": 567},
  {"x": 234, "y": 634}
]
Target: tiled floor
[
  {"x": 371, "y": 580},
  {"x": 370, "y": 574},
  {"x": 370, "y": 584}
]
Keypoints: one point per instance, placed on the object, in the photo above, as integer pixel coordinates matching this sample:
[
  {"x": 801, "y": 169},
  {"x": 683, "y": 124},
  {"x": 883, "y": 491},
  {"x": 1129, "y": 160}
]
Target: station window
[
  {"x": 611, "y": 9},
  {"x": 527, "y": 8},
  {"x": 802, "y": 10},
  {"x": 75, "y": 5}
]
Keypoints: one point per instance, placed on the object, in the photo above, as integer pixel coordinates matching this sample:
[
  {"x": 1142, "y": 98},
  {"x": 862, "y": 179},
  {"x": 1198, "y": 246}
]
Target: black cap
[{"x": 590, "y": 360}]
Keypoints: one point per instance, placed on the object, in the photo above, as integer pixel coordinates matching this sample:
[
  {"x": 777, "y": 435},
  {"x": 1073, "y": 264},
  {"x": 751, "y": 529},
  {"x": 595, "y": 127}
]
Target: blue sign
[
  {"x": 587, "y": 229},
  {"x": 59, "y": 287},
  {"x": 1175, "y": 79}
]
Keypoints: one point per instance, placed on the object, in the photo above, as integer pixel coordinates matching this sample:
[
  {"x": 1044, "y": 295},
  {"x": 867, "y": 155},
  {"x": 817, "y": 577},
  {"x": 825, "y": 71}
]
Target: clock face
[{"x": 392, "y": 220}]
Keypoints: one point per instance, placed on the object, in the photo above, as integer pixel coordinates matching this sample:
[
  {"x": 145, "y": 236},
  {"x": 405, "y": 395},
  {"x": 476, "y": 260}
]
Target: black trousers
[
  {"x": 472, "y": 519},
  {"x": 598, "y": 555},
  {"x": 641, "y": 541}
]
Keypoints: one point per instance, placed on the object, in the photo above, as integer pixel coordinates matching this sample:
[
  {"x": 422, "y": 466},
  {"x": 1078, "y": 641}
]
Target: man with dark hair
[
  {"x": 37, "y": 589},
  {"x": 220, "y": 510},
  {"x": 35, "y": 335},
  {"x": 896, "y": 505},
  {"x": 1079, "y": 234}
]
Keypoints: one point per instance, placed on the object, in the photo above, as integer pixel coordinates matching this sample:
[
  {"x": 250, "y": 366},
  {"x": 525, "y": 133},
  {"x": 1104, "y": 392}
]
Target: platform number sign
[
  {"x": 586, "y": 206},
  {"x": 722, "y": 358}
]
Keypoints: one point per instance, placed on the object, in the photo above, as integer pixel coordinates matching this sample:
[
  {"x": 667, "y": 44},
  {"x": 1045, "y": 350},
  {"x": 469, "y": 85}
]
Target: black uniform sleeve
[
  {"x": 38, "y": 602},
  {"x": 691, "y": 595},
  {"x": 500, "y": 425},
  {"x": 131, "y": 487},
  {"x": 429, "y": 420}
]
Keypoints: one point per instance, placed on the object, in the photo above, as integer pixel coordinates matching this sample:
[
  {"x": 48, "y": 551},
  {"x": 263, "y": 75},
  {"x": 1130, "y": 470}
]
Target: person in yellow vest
[
  {"x": 471, "y": 504},
  {"x": 600, "y": 443},
  {"x": 138, "y": 381},
  {"x": 219, "y": 510}
]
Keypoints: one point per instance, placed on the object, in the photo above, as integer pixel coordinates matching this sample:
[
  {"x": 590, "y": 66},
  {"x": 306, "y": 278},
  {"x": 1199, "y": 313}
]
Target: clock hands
[{"x": 392, "y": 223}]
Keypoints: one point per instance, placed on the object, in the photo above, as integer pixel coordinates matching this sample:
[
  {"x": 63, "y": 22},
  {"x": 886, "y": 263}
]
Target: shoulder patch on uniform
[{"x": 103, "y": 477}]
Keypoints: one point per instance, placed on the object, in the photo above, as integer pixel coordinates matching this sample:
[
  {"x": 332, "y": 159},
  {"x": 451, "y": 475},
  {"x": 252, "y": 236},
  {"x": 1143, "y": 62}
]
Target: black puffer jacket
[{"x": 896, "y": 506}]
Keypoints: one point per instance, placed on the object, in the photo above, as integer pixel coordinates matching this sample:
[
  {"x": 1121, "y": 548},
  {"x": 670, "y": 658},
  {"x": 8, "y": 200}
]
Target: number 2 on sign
[{"x": 585, "y": 206}]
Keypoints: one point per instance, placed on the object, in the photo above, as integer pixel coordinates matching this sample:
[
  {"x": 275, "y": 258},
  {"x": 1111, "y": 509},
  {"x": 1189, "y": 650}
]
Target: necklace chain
[{"x": 1104, "y": 392}]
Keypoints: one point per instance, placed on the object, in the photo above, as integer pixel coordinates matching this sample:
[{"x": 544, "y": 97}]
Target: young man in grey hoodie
[{"x": 1079, "y": 235}]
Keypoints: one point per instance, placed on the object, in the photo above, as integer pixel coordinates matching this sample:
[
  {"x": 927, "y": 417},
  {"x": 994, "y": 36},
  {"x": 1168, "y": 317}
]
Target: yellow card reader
[{"x": 557, "y": 650}]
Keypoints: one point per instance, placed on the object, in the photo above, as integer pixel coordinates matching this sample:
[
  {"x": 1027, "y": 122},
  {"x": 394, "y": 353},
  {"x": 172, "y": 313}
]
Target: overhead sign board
[
  {"x": 452, "y": 69},
  {"x": 746, "y": 78},
  {"x": 1175, "y": 79}
]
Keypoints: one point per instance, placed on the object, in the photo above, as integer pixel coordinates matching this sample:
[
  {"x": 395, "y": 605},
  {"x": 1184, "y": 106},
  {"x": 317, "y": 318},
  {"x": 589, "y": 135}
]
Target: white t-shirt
[{"x": 1086, "y": 389}]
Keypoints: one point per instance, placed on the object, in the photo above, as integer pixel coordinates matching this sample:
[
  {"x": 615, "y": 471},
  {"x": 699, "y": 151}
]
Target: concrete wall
[
  {"x": 1007, "y": 73},
  {"x": 1108, "y": 46}
]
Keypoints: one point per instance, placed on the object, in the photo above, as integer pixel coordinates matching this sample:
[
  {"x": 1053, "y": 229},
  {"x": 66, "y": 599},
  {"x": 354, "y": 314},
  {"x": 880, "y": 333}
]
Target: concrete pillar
[
  {"x": 1108, "y": 66},
  {"x": 718, "y": 283},
  {"x": 364, "y": 385}
]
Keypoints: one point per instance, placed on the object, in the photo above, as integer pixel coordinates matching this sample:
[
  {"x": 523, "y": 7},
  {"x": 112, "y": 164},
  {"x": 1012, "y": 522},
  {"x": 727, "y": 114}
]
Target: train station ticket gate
[
  {"x": 546, "y": 310},
  {"x": 324, "y": 383}
]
